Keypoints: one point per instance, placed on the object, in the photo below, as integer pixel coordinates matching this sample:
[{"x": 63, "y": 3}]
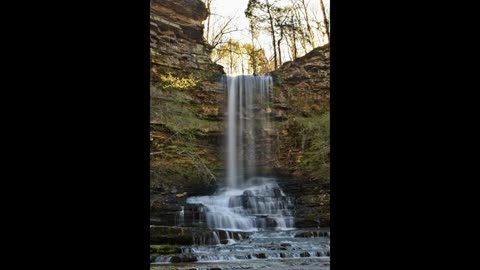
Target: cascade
[{"x": 247, "y": 202}]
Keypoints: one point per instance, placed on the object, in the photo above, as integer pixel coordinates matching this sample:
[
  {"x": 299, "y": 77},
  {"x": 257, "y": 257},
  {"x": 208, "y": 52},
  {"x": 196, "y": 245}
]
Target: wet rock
[
  {"x": 248, "y": 193},
  {"x": 175, "y": 259},
  {"x": 224, "y": 241},
  {"x": 271, "y": 223},
  {"x": 152, "y": 258},
  {"x": 282, "y": 255},
  {"x": 187, "y": 257},
  {"x": 180, "y": 235},
  {"x": 305, "y": 254},
  {"x": 277, "y": 192},
  {"x": 285, "y": 245},
  {"x": 261, "y": 255},
  {"x": 303, "y": 234}
]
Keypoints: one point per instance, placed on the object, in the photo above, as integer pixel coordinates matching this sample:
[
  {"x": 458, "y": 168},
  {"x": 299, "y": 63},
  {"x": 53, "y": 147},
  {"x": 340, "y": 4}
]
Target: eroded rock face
[
  {"x": 176, "y": 37},
  {"x": 302, "y": 141},
  {"x": 186, "y": 110}
]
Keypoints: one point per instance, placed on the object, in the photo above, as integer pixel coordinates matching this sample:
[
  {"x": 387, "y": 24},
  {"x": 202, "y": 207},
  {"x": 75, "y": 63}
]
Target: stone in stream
[
  {"x": 282, "y": 255},
  {"x": 271, "y": 222},
  {"x": 261, "y": 255},
  {"x": 304, "y": 254},
  {"x": 224, "y": 241}
]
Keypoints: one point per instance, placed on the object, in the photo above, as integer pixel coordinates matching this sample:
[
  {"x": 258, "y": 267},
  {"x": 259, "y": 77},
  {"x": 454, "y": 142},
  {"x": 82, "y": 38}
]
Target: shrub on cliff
[{"x": 169, "y": 81}]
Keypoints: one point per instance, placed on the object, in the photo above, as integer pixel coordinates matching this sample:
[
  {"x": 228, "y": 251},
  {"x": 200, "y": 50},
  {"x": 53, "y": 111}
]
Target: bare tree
[
  {"x": 307, "y": 21},
  {"x": 217, "y": 26},
  {"x": 325, "y": 20},
  {"x": 219, "y": 34},
  {"x": 208, "y": 5}
]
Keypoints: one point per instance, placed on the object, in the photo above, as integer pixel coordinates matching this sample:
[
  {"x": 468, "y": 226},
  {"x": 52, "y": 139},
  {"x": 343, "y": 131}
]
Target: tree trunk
[
  {"x": 309, "y": 28},
  {"x": 254, "y": 57},
  {"x": 208, "y": 4},
  {"x": 279, "y": 47},
  {"x": 272, "y": 30},
  {"x": 325, "y": 20}
]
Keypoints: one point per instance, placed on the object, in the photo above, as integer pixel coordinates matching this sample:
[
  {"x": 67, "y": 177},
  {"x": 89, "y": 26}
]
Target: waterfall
[
  {"x": 248, "y": 125},
  {"x": 248, "y": 202},
  {"x": 217, "y": 239},
  {"x": 231, "y": 133}
]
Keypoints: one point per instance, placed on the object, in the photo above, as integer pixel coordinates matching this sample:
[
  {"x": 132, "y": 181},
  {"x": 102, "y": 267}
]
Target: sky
[{"x": 235, "y": 8}]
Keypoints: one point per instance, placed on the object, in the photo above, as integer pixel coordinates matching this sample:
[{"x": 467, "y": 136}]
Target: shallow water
[{"x": 261, "y": 250}]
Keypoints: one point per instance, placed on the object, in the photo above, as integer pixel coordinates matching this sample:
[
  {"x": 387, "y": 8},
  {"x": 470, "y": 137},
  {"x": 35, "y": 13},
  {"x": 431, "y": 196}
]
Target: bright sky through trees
[{"x": 226, "y": 9}]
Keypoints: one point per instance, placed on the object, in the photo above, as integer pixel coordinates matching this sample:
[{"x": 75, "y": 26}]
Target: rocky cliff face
[
  {"x": 176, "y": 38},
  {"x": 301, "y": 110},
  {"x": 186, "y": 108}
]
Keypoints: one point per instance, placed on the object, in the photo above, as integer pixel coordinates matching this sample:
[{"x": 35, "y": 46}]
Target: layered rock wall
[
  {"x": 186, "y": 109},
  {"x": 301, "y": 113}
]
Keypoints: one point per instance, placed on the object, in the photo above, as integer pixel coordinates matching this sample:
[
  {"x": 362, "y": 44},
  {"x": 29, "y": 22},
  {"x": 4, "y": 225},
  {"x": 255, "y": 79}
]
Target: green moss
[
  {"x": 175, "y": 111},
  {"x": 164, "y": 249},
  {"x": 278, "y": 79}
]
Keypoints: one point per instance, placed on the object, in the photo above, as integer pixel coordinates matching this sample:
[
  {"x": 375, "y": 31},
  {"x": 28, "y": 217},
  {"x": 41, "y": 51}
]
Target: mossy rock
[
  {"x": 164, "y": 249},
  {"x": 153, "y": 257},
  {"x": 304, "y": 254}
]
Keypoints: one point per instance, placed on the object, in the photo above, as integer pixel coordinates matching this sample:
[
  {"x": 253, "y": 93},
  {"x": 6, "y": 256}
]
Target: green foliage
[
  {"x": 314, "y": 136},
  {"x": 181, "y": 119},
  {"x": 169, "y": 81},
  {"x": 177, "y": 113},
  {"x": 180, "y": 154}
]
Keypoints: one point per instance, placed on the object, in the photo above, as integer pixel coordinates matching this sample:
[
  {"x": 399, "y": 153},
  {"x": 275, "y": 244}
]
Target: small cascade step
[
  {"x": 255, "y": 246},
  {"x": 260, "y": 205}
]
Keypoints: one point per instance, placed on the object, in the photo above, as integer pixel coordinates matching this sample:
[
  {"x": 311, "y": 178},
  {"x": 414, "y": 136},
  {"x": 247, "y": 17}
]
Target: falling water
[
  {"x": 217, "y": 239},
  {"x": 181, "y": 216},
  {"x": 248, "y": 202},
  {"x": 248, "y": 125}
]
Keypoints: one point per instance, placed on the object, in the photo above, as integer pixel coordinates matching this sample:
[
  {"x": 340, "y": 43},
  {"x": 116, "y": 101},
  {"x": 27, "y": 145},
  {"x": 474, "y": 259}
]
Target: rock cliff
[
  {"x": 301, "y": 110},
  {"x": 186, "y": 108}
]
